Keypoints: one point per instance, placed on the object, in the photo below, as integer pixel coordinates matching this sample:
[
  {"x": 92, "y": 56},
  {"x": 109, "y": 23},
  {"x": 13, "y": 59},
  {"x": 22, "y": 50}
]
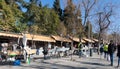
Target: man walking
[
  {"x": 111, "y": 50},
  {"x": 118, "y": 54}
]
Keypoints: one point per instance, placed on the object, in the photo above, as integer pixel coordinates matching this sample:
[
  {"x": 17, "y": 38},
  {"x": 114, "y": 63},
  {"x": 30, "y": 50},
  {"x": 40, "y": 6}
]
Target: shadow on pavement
[
  {"x": 6, "y": 63},
  {"x": 90, "y": 63},
  {"x": 52, "y": 66}
]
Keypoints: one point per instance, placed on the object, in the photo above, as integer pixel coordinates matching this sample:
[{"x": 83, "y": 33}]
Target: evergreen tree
[
  {"x": 88, "y": 29},
  {"x": 12, "y": 16},
  {"x": 7, "y": 18},
  {"x": 56, "y": 7},
  {"x": 49, "y": 21},
  {"x": 41, "y": 20},
  {"x": 78, "y": 21},
  {"x": 40, "y": 4},
  {"x": 69, "y": 17}
]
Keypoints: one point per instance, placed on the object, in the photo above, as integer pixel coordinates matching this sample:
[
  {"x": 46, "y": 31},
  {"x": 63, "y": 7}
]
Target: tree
[
  {"x": 69, "y": 17},
  {"x": 95, "y": 35},
  {"x": 88, "y": 29},
  {"x": 49, "y": 21},
  {"x": 18, "y": 25},
  {"x": 61, "y": 30},
  {"x": 7, "y": 21},
  {"x": 32, "y": 15},
  {"x": 114, "y": 36},
  {"x": 57, "y": 8},
  {"x": 11, "y": 15},
  {"x": 87, "y": 6},
  {"x": 45, "y": 20},
  {"x": 78, "y": 22},
  {"x": 104, "y": 19}
]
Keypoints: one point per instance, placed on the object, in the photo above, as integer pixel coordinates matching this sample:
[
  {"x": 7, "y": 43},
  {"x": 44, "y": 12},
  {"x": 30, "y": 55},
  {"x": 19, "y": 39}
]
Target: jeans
[
  {"x": 45, "y": 57},
  {"x": 106, "y": 55},
  {"x": 37, "y": 52},
  {"x": 118, "y": 61},
  {"x": 111, "y": 59}
]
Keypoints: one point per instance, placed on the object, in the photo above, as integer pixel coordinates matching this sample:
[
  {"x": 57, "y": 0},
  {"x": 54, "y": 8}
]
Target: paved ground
[{"x": 65, "y": 63}]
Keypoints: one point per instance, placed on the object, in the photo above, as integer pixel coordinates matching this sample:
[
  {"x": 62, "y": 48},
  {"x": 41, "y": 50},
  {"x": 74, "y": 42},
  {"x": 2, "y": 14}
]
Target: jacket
[
  {"x": 111, "y": 48},
  {"x": 118, "y": 50},
  {"x": 105, "y": 48}
]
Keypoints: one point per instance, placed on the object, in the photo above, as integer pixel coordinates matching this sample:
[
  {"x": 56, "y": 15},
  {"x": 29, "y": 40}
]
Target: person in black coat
[
  {"x": 118, "y": 54},
  {"x": 45, "y": 52},
  {"x": 111, "y": 50}
]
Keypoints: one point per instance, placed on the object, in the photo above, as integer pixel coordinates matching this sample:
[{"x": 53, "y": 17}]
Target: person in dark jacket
[
  {"x": 111, "y": 50},
  {"x": 101, "y": 50},
  {"x": 118, "y": 54},
  {"x": 45, "y": 52}
]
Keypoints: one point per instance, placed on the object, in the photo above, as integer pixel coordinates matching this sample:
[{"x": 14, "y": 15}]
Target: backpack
[{"x": 101, "y": 49}]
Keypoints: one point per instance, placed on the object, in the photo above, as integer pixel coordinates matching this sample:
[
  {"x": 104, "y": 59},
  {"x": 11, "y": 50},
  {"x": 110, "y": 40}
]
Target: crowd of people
[
  {"x": 109, "y": 51},
  {"x": 106, "y": 49}
]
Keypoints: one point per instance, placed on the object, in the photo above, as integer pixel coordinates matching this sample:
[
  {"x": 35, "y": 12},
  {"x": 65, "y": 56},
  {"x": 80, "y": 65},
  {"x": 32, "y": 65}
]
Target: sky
[
  {"x": 115, "y": 26},
  {"x": 50, "y": 2}
]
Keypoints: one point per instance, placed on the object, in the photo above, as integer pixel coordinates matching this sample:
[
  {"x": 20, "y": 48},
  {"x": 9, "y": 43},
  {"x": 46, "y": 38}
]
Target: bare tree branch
[
  {"x": 104, "y": 19},
  {"x": 88, "y": 5}
]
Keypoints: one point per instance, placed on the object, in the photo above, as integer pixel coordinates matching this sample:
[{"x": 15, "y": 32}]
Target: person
[
  {"x": 45, "y": 52},
  {"x": 105, "y": 51},
  {"x": 118, "y": 54},
  {"x": 111, "y": 50},
  {"x": 80, "y": 49},
  {"x": 101, "y": 50},
  {"x": 0, "y": 51},
  {"x": 91, "y": 54},
  {"x": 1, "y": 47}
]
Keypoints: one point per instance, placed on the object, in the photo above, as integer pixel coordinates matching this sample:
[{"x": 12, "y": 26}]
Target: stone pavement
[{"x": 66, "y": 63}]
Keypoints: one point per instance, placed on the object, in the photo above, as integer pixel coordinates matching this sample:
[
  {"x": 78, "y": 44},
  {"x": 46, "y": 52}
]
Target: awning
[
  {"x": 29, "y": 37},
  {"x": 39, "y": 38},
  {"x": 95, "y": 40},
  {"x": 89, "y": 40},
  {"x": 83, "y": 41},
  {"x": 75, "y": 39},
  {"x": 10, "y": 35},
  {"x": 58, "y": 38}
]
